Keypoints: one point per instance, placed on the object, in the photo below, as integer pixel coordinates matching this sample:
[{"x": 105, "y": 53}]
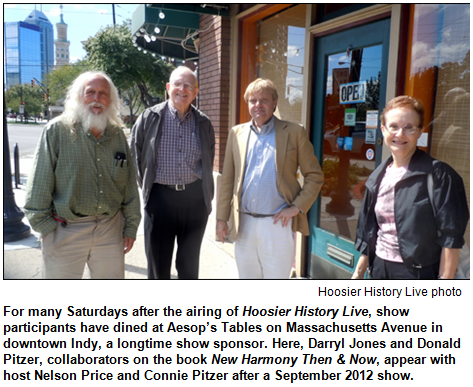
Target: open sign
[{"x": 352, "y": 92}]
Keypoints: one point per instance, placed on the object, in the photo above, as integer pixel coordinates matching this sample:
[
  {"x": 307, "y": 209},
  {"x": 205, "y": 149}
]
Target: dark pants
[
  {"x": 383, "y": 269},
  {"x": 171, "y": 214}
]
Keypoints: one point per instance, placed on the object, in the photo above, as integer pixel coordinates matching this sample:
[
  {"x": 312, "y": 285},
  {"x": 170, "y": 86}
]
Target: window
[
  {"x": 280, "y": 57},
  {"x": 438, "y": 74},
  {"x": 273, "y": 44}
]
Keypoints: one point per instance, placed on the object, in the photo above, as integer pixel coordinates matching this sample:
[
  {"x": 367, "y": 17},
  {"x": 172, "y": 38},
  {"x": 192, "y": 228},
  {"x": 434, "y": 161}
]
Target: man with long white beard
[{"x": 82, "y": 195}]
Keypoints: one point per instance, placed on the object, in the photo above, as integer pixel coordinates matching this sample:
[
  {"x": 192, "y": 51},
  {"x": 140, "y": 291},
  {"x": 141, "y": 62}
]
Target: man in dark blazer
[{"x": 174, "y": 148}]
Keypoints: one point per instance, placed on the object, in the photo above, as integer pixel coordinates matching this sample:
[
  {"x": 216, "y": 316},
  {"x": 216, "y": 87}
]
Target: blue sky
[{"x": 83, "y": 20}]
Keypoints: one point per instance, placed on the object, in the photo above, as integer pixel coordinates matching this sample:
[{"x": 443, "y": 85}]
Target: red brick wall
[{"x": 214, "y": 79}]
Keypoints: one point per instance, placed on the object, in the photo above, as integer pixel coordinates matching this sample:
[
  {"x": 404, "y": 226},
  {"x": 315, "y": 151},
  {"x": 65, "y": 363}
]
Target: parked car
[{"x": 358, "y": 133}]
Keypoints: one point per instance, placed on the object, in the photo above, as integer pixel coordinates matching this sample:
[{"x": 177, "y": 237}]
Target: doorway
[{"x": 349, "y": 96}]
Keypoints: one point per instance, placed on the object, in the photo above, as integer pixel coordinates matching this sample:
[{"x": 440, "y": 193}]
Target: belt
[
  {"x": 257, "y": 215},
  {"x": 179, "y": 187}
]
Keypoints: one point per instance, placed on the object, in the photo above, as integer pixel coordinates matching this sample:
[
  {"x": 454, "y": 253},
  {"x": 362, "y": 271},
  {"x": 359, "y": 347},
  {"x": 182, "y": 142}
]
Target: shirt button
[
  {"x": 100, "y": 175},
  {"x": 101, "y": 192},
  {"x": 100, "y": 206},
  {"x": 98, "y": 159}
]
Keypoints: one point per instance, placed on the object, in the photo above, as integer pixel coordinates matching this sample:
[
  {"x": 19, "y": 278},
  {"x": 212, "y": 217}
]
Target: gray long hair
[{"x": 74, "y": 95}]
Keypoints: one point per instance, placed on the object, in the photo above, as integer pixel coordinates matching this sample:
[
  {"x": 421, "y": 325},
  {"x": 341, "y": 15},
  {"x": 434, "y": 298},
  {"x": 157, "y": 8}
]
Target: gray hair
[
  {"x": 74, "y": 95},
  {"x": 182, "y": 69}
]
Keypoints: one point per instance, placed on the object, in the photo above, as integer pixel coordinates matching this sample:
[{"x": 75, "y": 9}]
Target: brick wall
[{"x": 214, "y": 79}]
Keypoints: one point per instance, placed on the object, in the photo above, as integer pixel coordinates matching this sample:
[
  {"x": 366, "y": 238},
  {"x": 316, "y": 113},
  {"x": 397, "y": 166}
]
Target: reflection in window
[
  {"x": 280, "y": 57},
  {"x": 439, "y": 75},
  {"x": 348, "y": 146}
]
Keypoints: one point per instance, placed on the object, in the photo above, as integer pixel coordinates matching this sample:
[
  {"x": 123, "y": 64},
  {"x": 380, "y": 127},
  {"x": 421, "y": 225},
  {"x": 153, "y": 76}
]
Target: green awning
[
  {"x": 177, "y": 30},
  {"x": 201, "y": 9}
]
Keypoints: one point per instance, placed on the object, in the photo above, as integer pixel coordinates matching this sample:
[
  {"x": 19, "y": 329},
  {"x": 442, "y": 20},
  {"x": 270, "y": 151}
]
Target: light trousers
[
  {"x": 93, "y": 240},
  {"x": 264, "y": 250}
]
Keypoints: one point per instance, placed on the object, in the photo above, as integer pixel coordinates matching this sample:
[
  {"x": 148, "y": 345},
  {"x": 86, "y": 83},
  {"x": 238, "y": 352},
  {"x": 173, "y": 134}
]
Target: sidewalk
[{"x": 22, "y": 259}]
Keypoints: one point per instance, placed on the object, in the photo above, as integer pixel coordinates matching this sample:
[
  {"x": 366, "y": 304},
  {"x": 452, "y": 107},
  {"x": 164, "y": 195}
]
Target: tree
[
  {"x": 58, "y": 80},
  {"x": 111, "y": 50},
  {"x": 32, "y": 97},
  {"x": 371, "y": 98},
  {"x": 133, "y": 96}
]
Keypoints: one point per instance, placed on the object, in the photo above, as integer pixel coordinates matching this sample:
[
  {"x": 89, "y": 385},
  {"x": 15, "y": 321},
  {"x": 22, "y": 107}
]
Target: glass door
[{"x": 350, "y": 89}]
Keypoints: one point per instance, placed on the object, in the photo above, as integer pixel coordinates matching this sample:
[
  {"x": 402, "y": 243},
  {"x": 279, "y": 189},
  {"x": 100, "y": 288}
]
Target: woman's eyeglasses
[{"x": 408, "y": 129}]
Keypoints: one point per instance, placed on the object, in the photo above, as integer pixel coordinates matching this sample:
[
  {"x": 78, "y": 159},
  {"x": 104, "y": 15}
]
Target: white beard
[{"x": 89, "y": 120}]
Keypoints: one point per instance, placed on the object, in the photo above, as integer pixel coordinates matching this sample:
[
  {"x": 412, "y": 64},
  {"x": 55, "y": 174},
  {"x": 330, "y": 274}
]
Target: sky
[
  {"x": 83, "y": 20},
  {"x": 435, "y": 23}
]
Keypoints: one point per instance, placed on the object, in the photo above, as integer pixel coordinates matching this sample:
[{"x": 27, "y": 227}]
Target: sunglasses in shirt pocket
[{"x": 120, "y": 168}]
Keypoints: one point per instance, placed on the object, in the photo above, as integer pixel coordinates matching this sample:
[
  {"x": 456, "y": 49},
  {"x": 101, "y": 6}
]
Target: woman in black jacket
[{"x": 398, "y": 235}]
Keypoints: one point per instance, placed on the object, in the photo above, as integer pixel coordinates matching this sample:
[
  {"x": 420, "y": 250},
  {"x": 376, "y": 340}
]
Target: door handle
[{"x": 380, "y": 141}]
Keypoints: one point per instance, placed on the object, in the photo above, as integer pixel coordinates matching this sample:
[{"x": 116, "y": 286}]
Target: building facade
[
  {"x": 61, "y": 43},
  {"x": 38, "y": 18},
  {"x": 335, "y": 67},
  {"x": 22, "y": 53}
]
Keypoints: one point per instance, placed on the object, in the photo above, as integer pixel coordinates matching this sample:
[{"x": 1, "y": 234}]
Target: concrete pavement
[{"x": 22, "y": 259}]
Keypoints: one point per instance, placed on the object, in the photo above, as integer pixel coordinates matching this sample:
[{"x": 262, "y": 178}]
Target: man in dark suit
[{"x": 174, "y": 147}]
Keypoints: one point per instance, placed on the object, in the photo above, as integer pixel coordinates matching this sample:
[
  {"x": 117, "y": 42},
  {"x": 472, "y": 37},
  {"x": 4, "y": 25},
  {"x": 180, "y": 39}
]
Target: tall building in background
[
  {"x": 22, "y": 53},
  {"x": 61, "y": 43},
  {"x": 38, "y": 18}
]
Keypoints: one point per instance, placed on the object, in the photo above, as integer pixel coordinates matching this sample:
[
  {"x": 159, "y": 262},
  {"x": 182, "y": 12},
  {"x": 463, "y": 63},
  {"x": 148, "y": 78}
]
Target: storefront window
[
  {"x": 439, "y": 75},
  {"x": 273, "y": 44},
  {"x": 280, "y": 57}
]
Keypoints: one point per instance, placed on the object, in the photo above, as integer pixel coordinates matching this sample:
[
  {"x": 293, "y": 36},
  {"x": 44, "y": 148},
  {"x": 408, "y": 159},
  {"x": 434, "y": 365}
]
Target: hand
[
  {"x": 361, "y": 267},
  {"x": 286, "y": 215},
  {"x": 222, "y": 230},
  {"x": 448, "y": 263},
  {"x": 128, "y": 244}
]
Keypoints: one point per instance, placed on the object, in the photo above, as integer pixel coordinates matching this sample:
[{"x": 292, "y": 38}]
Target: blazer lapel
[
  {"x": 281, "y": 145},
  {"x": 243, "y": 135}
]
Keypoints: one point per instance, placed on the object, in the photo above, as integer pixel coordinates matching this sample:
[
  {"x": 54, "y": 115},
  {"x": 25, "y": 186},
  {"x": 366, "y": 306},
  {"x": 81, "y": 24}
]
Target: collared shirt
[
  {"x": 260, "y": 193},
  {"x": 75, "y": 175},
  {"x": 179, "y": 158}
]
